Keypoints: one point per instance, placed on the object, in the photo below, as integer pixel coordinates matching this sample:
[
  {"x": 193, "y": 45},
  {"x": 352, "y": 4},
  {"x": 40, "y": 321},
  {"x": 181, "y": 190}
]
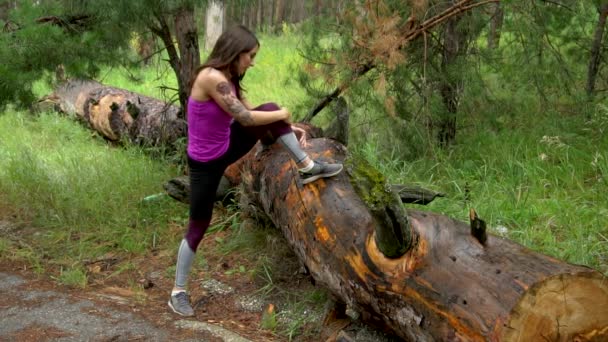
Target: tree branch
[{"x": 410, "y": 34}]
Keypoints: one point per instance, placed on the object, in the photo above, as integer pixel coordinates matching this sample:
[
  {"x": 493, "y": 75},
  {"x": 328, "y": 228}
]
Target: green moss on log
[
  {"x": 369, "y": 183},
  {"x": 393, "y": 233}
]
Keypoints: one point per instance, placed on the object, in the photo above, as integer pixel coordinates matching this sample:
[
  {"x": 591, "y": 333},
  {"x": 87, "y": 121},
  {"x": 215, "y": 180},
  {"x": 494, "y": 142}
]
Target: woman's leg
[
  {"x": 204, "y": 180},
  {"x": 281, "y": 131}
]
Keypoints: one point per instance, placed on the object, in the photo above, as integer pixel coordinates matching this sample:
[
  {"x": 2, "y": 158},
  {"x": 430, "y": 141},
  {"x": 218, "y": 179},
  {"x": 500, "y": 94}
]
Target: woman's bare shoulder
[
  {"x": 206, "y": 82},
  {"x": 210, "y": 75}
]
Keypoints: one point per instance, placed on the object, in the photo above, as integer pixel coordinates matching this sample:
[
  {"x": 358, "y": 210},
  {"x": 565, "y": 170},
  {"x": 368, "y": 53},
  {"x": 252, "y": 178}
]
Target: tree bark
[
  {"x": 446, "y": 286},
  {"x": 279, "y": 14},
  {"x": 338, "y": 129},
  {"x": 451, "y": 85},
  {"x": 118, "y": 114},
  {"x": 596, "y": 49},
  {"x": 214, "y": 23},
  {"x": 260, "y": 14},
  {"x": 189, "y": 52},
  {"x": 185, "y": 60}
]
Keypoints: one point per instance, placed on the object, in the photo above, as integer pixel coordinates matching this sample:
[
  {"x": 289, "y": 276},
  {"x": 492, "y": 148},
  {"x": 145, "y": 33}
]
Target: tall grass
[
  {"x": 272, "y": 79},
  {"x": 535, "y": 179},
  {"x": 83, "y": 197}
]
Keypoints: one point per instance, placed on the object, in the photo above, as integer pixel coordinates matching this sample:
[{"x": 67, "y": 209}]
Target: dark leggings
[{"x": 205, "y": 176}]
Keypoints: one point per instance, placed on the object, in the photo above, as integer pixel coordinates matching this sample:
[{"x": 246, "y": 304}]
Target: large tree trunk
[
  {"x": 118, "y": 114},
  {"x": 189, "y": 52},
  {"x": 185, "y": 60},
  {"x": 596, "y": 49},
  {"x": 440, "y": 282}
]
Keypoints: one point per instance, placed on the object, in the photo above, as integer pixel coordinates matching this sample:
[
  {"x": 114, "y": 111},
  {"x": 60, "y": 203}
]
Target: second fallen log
[{"x": 119, "y": 114}]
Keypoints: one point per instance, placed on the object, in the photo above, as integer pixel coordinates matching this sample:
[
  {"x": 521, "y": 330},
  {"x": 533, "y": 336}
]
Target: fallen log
[
  {"x": 439, "y": 281},
  {"x": 119, "y": 114}
]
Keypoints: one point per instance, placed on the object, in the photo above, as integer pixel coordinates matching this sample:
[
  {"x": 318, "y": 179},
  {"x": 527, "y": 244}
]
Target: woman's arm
[
  {"x": 246, "y": 103},
  {"x": 217, "y": 87}
]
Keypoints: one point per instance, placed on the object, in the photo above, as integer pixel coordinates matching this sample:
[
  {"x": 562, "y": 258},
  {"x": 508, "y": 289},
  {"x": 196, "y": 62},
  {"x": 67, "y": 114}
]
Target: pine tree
[{"x": 81, "y": 36}]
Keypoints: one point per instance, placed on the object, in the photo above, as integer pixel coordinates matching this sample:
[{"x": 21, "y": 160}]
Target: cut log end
[{"x": 562, "y": 308}]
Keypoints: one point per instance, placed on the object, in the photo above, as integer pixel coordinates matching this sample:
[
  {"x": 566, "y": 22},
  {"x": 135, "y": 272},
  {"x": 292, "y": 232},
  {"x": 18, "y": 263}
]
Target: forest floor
[{"x": 131, "y": 305}]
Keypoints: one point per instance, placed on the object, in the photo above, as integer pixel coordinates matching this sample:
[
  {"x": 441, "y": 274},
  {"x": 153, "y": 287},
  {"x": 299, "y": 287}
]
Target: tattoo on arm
[
  {"x": 223, "y": 88},
  {"x": 235, "y": 107}
]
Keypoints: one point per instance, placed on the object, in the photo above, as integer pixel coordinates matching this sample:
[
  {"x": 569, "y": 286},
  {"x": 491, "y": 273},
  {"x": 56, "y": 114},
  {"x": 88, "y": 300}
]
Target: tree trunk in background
[
  {"x": 253, "y": 16},
  {"x": 596, "y": 49},
  {"x": 118, "y": 114},
  {"x": 495, "y": 26},
  {"x": 161, "y": 29},
  {"x": 269, "y": 12},
  {"x": 279, "y": 14},
  {"x": 301, "y": 12},
  {"x": 189, "y": 51},
  {"x": 5, "y": 7},
  {"x": 450, "y": 86},
  {"x": 214, "y": 23},
  {"x": 260, "y": 14},
  {"x": 446, "y": 287},
  {"x": 339, "y": 10},
  {"x": 318, "y": 10},
  {"x": 146, "y": 46}
]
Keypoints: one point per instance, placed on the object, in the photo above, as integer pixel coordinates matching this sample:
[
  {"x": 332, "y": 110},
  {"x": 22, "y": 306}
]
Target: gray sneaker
[
  {"x": 180, "y": 304},
  {"x": 320, "y": 170}
]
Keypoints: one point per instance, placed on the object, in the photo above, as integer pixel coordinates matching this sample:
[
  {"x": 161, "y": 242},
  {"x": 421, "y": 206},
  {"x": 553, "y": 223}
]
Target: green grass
[
  {"x": 272, "y": 78},
  {"x": 544, "y": 183},
  {"x": 84, "y": 197}
]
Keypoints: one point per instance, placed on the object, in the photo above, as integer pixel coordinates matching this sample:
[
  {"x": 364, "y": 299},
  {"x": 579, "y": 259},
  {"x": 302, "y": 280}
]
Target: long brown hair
[{"x": 225, "y": 54}]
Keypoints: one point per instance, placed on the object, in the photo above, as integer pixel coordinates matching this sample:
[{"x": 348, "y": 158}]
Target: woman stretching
[{"x": 223, "y": 127}]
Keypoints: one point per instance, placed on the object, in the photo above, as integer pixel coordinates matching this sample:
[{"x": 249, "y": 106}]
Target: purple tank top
[{"x": 208, "y": 130}]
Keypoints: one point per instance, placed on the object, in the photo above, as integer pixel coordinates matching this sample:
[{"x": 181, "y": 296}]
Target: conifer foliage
[
  {"x": 81, "y": 36},
  {"x": 422, "y": 59}
]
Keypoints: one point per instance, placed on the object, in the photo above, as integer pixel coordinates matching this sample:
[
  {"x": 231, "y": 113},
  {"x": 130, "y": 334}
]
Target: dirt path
[
  {"x": 131, "y": 305},
  {"x": 33, "y": 310}
]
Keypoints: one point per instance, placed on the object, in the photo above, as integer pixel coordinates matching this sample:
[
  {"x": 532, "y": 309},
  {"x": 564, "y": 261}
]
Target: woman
[{"x": 223, "y": 127}]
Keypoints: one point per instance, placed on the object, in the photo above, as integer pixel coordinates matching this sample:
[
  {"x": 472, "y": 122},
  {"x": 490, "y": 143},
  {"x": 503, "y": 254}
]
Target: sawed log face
[{"x": 447, "y": 287}]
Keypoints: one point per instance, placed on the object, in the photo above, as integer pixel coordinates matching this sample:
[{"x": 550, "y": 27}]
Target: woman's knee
[
  {"x": 196, "y": 232},
  {"x": 272, "y": 131},
  {"x": 267, "y": 107}
]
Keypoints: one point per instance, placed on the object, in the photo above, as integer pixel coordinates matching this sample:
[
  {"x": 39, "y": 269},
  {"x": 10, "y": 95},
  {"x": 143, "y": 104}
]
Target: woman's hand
[
  {"x": 300, "y": 134},
  {"x": 286, "y": 115}
]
